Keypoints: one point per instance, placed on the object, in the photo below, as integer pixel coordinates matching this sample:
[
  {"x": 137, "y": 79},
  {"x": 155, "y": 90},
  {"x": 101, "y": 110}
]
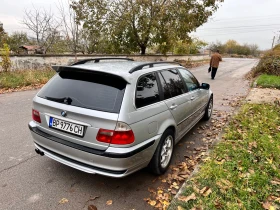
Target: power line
[
  {"x": 231, "y": 33},
  {"x": 248, "y": 17},
  {"x": 240, "y": 27}
]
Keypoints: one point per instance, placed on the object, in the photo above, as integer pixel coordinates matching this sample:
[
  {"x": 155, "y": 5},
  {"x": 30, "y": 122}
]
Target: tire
[
  {"x": 209, "y": 109},
  {"x": 157, "y": 165}
]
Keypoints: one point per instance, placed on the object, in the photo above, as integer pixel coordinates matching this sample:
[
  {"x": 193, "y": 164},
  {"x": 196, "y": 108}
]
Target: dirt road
[{"x": 28, "y": 181}]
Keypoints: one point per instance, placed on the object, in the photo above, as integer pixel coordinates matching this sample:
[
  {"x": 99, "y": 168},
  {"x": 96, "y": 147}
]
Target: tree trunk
[{"x": 143, "y": 49}]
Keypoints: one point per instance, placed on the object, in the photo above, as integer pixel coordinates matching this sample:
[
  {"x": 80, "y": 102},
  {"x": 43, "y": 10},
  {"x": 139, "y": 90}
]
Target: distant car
[{"x": 113, "y": 116}]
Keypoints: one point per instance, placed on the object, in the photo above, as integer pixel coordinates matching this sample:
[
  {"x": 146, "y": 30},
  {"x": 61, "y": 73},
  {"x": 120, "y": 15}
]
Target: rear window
[{"x": 96, "y": 91}]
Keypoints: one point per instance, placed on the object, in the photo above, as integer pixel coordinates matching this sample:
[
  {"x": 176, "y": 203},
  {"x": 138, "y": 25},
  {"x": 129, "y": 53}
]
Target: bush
[
  {"x": 6, "y": 61},
  {"x": 269, "y": 64}
]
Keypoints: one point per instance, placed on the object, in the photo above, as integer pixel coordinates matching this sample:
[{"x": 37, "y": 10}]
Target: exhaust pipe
[{"x": 39, "y": 152}]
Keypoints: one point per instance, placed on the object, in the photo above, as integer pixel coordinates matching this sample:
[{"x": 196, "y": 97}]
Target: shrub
[
  {"x": 269, "y": 63},
  {"x": 5, "y": 56}
]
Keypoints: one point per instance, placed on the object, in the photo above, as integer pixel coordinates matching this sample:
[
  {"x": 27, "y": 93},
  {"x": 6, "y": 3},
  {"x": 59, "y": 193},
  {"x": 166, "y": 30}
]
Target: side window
[
  {"x": 172, "y": 82},
  {"x": 189, "y": 79},
  {"x": 147, "y": 91}
]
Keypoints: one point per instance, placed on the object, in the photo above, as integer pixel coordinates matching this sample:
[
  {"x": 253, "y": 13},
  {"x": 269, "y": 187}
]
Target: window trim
[
  {"x": 184, "y": 81},
  {"x": 135, "y": 90}
]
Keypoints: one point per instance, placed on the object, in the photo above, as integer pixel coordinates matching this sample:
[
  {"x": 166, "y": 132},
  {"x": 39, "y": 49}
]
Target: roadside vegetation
[
  {"x": 268, "y": 81},
  {"x": 269, "y": 63},
  {"x": 19, "y": 79},
  {"x": 233, "y": 49},
  {"x": 267, "y": 71},
  {"x": 243, "y": 171}
]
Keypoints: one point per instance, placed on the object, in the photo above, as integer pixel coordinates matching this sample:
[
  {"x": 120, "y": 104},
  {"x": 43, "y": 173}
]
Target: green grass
[
  {"x": 18, "y": 79},
  {"x": 269, "y": 81},
  {"x": 243, "y": 170}
]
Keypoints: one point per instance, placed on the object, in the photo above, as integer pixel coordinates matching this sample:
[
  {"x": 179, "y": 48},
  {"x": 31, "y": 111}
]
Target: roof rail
[
  {"x": 96, "y": 60},
  {"x": 140, "y": 67}
]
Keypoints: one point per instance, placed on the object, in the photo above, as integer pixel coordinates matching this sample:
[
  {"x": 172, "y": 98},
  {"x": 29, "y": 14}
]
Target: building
[{"x": 31, "y": 49}]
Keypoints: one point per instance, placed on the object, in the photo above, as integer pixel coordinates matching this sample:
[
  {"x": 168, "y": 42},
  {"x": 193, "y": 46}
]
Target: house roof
[{"x": 30, "y": 47}]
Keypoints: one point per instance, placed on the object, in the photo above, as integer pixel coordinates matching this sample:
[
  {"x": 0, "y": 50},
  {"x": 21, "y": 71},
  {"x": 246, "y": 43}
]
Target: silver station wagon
[{"x": 114, "y": 116}]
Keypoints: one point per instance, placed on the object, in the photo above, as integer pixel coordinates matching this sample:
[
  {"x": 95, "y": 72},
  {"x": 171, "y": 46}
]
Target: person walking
[{"x": 214, "y": 63}]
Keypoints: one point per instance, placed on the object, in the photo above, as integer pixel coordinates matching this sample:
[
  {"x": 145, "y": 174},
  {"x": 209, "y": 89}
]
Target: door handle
[
  {"x": 192, "y": 98},
  {"x": 174, "y": 106}
]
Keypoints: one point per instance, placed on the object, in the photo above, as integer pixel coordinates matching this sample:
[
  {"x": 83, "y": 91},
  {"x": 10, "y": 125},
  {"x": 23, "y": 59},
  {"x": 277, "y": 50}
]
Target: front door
[{"x": 199, "y": 97}]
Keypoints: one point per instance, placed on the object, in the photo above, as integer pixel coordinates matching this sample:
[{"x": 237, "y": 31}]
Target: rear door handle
[
  {"x": 192, "y": 98},
  {"x": 174, "y": 106}
]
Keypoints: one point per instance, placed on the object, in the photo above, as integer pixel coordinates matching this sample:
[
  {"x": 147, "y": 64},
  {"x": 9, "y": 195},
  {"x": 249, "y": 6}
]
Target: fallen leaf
[
  {"x": 63, "y": 200},
  {"x": 158, "y": 206},
  {"x": 275, "y": 182},
  {"x": 187, "y": 198},
  {"x": 109, "y": 202},
  {"x": 92, "y": 207},
  {"x": 180, "y": 208},
  {"x": 207, "y": 192},
  {"x": 196, "y": 189},
  {"x": 203, "y": 190},
  {"x": 159, "y": 191},
  {"x": 152, "y": 202},
  {"x": 165, "y": 203},
  {"x": 268, "y": 206},
  {"x": 173, "y": 192}
]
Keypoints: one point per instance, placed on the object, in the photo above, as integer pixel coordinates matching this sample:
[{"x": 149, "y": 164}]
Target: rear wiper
[{"x": 66, "y": 100}]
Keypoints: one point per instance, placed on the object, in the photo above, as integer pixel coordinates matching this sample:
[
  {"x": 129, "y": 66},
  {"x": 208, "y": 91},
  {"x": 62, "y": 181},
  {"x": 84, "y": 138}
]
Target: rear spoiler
[
  {"x": 57, "y": 68},
  {"x": 74, "y": 68}
]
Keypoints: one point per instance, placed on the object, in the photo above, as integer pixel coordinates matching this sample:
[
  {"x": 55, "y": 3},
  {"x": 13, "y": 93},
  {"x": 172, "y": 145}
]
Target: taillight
[
  {"x": 104, "y": 135},
  {"x": 36, "y": 116},
  {"x": 121, "y": 135}
]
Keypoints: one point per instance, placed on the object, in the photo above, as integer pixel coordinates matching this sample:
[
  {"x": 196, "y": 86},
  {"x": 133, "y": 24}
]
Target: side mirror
[{"x": 205, "y": 86}]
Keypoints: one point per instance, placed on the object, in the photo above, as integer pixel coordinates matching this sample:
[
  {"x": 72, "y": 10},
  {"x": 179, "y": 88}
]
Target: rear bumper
[{"x": 113, "y": 162}]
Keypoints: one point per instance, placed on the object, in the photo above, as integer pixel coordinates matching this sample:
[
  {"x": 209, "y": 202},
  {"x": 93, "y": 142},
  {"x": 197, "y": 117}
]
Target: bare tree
[
  {"x": 71, "y": 28},
  {"x": 44, "y": 25}
]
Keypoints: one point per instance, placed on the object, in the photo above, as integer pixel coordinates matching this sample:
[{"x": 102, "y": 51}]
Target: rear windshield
[{"x": 96, "y": 91}]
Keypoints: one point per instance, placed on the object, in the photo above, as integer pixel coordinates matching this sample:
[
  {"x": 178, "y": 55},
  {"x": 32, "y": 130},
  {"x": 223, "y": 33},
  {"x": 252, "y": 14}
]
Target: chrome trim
[{"x": 65, "y": 119}]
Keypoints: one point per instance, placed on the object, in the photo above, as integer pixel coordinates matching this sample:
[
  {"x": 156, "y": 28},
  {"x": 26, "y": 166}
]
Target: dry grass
[{"x": 24, "y": 78}]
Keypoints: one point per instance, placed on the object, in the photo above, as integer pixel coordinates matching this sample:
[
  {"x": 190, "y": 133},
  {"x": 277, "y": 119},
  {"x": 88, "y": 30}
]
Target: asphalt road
[{"x": 29, "y": 181}]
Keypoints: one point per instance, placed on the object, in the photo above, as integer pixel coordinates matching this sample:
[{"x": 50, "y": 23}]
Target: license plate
[{"x": 66, "y": 126}]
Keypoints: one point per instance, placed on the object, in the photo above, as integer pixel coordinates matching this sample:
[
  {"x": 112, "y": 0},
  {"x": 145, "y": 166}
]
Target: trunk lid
[{"x": 88, "y": 99}]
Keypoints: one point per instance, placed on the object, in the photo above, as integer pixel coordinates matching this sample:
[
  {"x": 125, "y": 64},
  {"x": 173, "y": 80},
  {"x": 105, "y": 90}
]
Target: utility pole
[{"x": 273, "y": 43}]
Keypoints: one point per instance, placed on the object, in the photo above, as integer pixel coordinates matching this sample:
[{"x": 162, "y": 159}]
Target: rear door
[
  {"x": 176, "y": 97},
  {"x": 89, "y": 100}
]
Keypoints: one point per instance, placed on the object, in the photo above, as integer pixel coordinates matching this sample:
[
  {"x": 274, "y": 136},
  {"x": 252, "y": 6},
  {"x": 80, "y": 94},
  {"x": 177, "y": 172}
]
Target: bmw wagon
[{"x": 115, "y": 116}]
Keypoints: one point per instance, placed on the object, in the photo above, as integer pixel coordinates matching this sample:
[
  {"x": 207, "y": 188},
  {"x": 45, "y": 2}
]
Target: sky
[{"x": 246, "y": 21}]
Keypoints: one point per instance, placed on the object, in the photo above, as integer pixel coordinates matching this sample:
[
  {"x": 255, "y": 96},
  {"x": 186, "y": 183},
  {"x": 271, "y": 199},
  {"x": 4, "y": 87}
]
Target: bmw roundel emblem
[{"x": 63, "y": 113}]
